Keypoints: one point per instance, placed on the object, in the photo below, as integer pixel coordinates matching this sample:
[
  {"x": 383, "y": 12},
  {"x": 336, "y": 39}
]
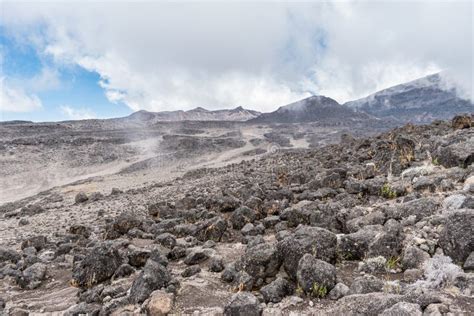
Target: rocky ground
[{"x": 367, "y": 226}]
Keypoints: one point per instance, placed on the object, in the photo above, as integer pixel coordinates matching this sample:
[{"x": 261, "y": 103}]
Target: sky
[{"x": 63, "y": 60}]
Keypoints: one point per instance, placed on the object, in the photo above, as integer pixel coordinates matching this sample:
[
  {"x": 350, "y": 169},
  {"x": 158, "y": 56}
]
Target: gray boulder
[
  {"x": 316, "y": 277},
  {"x": 371, "y": 304},
  {"x": 277, "y": 290},
  {"x": 457, "y": 237},
  {"x": 413, "y": 258},
  {"x": 366, "y": 284},
  {"x": 38, "y": 242},
  {"x": 196, "y": 256},
  {"x": 355, "y": 246},
  {"x": 166, "y": 239},
  {"x": 319, "y": 242},
  {"x": 420, "y": 208},
  {"x": 97, "y": 266},
  {"x": 242, "y": 216},
  {"x": 469, "y": 263},
  {"x": 153, "y": 277},
  {"x": 81, "y": 197},
  {"x": 211, "y": 229},
  {"x": 9, "y": 255},
  {"x": 122, "y": 224},
  {"x": 261, "y": 261},
  {"x": 33, "y": 275},
  {"x": 403, "y": 309},
  {"x": 243, "y": 304},
  {"x": 338, "y": 291},
  {"x": 190, "y": 271}
]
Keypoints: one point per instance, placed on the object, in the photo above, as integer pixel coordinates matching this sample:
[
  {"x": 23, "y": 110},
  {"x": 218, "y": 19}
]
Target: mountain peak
[
  {"x": 312, "y": 109},
  {"x": 199, "y": 109},
  {"x": 422, "y": 100}
]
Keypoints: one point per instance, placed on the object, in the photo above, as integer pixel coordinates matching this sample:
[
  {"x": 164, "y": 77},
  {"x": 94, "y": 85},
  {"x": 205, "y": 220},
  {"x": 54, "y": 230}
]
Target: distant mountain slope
[
  {"x": 422, "y": 100},
  {"x": 312, "y": 109},
  {"x": 197, "y": 114}
]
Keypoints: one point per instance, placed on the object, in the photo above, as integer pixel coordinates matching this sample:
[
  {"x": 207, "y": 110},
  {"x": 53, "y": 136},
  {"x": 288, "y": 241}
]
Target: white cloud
[
  {"x": 164, "y": 56},
  {"x": 14, "y": 99},
  {"x": 77, "y": 114}
]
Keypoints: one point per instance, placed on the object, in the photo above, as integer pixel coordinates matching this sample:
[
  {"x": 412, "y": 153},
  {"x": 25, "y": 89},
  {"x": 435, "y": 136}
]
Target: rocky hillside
[
  {"x": 373, "y": 226},
  {"x": 312, "y": 109},
  {"x": 197, "y": 114},
  {"x": 422, "y": 100}
]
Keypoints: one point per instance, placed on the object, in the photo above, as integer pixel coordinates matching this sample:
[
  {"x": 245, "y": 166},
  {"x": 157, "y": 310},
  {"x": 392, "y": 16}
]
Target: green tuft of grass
[
  {"x": 393, "y": 262},
  {"x": 388, "y": 192},
  {"x": 319, "y": 291}
]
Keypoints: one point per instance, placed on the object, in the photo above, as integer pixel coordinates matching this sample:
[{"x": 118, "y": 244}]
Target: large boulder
[
  {"x": 457, "y": 237},
  {"x": 243, "y": 304},
  {"x": 153, "y": 277},
  {"x": 98, "y": 265},
  {"x": 319, "y": 242},
  {"x": 261, "y": 261},
  {"x": 315, "y": 277}
]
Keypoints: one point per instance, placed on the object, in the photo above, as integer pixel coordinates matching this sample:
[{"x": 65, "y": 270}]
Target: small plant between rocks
[{"x": 388, "y": 192}]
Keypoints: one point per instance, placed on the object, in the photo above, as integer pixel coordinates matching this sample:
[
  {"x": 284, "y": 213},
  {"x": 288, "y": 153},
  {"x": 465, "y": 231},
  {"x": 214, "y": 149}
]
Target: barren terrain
[{"x": 214, "y": 218}]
